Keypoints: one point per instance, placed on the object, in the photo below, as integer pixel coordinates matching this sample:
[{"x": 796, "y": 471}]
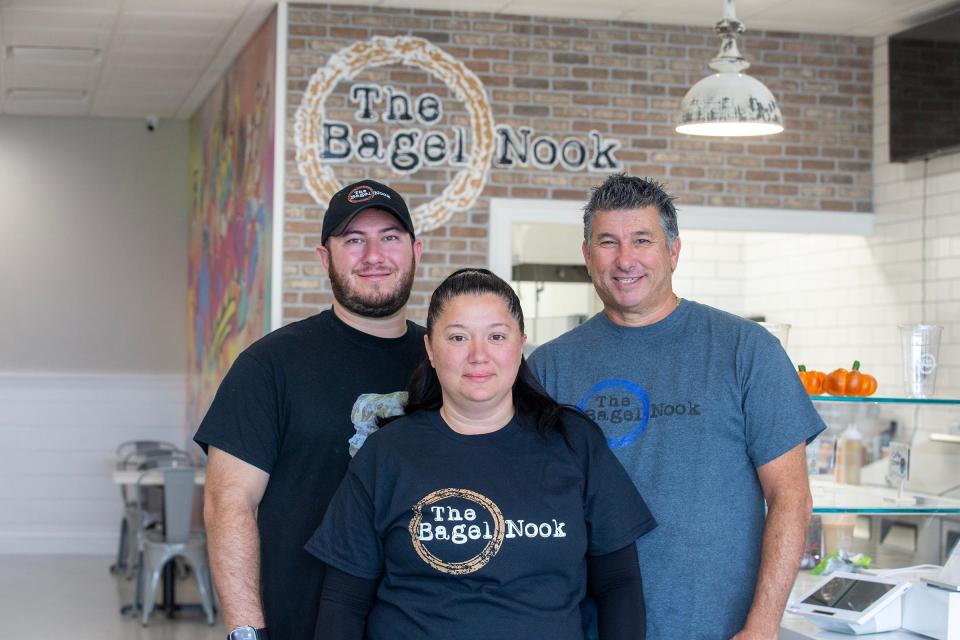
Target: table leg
[{"x": 169, "y": 588}]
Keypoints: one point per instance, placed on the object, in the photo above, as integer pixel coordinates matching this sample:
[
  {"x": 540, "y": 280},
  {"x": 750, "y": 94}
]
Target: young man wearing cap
[{"x": 277, "y": 431}]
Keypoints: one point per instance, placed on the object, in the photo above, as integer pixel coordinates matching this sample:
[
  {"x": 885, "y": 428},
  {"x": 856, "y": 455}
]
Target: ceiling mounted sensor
[{"x": 729, "y": 102}]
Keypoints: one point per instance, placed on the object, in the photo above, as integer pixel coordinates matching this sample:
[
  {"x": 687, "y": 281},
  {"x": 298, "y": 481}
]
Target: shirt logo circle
[
  {"x": 621, "y": 407},
  {"x": 469, "y": 565}
]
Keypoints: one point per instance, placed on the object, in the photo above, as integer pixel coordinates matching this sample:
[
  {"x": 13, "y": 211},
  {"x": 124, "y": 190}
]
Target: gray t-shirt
[{"x": 691, "y": 406}]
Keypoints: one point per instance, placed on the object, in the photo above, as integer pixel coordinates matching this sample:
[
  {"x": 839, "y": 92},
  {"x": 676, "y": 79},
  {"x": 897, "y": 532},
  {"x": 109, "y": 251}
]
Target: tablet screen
[{"x": 848, "y": 594}]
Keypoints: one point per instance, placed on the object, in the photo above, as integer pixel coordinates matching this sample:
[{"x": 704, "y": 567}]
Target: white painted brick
[
  {"x": 942, "y": 183},
  {"x": 944, "y": 225},
  {"x": 718, "y": 252},
  {"x": 937, "y": 291},
  {"x": 716, "y": 286},
  {"x": 695, "y": 269},
  {"x": 908, "y": 229},
  {"x": 698, "y": 236},
  {"x": 946, "y": 268}
]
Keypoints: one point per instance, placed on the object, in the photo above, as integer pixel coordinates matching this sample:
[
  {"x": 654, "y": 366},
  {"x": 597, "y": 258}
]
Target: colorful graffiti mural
[{"x": 231, "y": 167}]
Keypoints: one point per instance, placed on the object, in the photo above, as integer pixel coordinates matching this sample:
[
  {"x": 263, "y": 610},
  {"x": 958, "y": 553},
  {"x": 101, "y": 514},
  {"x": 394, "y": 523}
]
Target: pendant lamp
[{"x": 729, "y": 102}]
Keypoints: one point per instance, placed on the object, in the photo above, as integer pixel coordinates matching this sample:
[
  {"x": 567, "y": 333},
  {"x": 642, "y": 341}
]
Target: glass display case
[{"x": 900, "y": 514}]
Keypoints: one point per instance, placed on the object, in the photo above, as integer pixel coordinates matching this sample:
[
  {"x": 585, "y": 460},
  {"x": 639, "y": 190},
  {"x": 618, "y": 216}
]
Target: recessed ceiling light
[
  {"x": 48, "y": 95},
  {"x": 27, "y": 53}
]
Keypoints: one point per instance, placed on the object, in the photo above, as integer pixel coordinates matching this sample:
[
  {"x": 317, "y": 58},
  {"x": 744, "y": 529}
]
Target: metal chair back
[
  {"x": 152, "y": 459},
  {"x": 178, "y": 493}
]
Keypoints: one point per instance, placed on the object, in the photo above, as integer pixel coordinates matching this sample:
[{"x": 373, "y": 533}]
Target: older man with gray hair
[{"x": 704, "y": 410}]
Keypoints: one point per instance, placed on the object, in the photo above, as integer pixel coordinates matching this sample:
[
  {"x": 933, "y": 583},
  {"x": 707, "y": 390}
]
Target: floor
[{"x": 76, "y": 597}]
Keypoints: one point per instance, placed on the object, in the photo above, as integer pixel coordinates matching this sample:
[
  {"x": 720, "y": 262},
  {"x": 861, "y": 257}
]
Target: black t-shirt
[
  {"x": 285, "y": 407},
  {"x": 479, "y": 537}
]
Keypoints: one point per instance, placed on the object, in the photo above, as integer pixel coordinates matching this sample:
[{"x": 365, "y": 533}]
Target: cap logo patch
[
  {"x": 360, "y": 194},
  {"x": 364, "y": 193}
]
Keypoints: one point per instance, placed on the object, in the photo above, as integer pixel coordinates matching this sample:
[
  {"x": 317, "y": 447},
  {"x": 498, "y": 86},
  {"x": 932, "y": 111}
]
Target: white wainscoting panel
[{"x": 58, "y": 433}]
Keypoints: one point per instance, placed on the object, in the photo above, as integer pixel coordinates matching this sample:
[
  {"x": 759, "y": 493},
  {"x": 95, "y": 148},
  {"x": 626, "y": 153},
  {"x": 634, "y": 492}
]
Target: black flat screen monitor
[{"x": 924, "y": 67}]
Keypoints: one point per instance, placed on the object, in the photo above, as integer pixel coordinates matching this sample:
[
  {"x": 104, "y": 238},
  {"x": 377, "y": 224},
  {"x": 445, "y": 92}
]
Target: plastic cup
[
  {"x": 921, "y": 348},
  {"x": 781, "y": 331},
  {"x": 838, "y": 533}
]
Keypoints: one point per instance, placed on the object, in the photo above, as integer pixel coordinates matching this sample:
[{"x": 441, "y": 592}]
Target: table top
[{"x": 131, "y": 476}]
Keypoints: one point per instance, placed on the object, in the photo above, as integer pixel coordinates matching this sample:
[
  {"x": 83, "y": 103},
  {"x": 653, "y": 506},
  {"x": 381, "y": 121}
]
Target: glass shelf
[
  {"x": 832, "y": 497},
  {"x": 878, "y": 400}
]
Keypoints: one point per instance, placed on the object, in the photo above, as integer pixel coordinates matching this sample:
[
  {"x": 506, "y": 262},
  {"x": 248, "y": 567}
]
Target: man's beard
[{"x": 376, "y": 305}]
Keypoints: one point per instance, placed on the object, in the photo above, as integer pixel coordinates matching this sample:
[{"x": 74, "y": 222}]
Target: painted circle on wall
[{"x": 379, "y": 51}]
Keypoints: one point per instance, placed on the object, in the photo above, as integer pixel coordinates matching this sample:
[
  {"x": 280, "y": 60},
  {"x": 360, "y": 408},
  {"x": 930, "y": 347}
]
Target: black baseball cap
[{"x": 359, "y": 196}]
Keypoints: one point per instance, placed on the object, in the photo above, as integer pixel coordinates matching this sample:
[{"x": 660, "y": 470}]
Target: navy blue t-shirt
[{"x": 479, "y": 536}]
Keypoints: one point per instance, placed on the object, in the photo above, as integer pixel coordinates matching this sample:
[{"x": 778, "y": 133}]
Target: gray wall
[{"x": 93, "y": 245}]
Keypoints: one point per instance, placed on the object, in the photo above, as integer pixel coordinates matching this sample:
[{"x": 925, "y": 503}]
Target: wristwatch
[{"x": 246, "y": 632}]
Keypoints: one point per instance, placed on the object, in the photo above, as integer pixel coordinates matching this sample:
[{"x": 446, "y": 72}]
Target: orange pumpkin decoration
[
  {"x": 851, "y": 383},
  {"x": 813, "y": 381}
]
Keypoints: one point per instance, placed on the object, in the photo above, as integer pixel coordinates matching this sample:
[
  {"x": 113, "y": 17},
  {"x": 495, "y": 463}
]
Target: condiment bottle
[{"x": 849, "y": 456}]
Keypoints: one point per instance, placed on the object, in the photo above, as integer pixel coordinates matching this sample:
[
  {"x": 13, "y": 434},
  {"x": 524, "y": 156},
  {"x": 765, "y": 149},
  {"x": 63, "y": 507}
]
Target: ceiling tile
[
  {"x": 46, "y": 107},
  {"x": 422, "y": 4},
  {"x": 190, "y": 7},
  {"x": 146, "y": 59},
  {"x": 61, "y": 19},
  {"x": 56, "y": 38},
  {"x": 142, "y": 40},
  {"x": 218, "y": 24},
  {"x": 137, "y": 110},
  {"x": 124, "y": 72},
  {"x": 49, "y": 76},
  {"x": 68, "y": 5},
  {"x": 144, "y": 86}
]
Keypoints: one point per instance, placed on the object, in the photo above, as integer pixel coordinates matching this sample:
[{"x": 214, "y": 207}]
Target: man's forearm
[
  {"x": 234, "y": 545},
  {"x": 784, "y": 537}
]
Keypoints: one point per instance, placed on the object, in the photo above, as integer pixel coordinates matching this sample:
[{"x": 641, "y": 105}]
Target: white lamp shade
[{"x": 729, "y": 104}]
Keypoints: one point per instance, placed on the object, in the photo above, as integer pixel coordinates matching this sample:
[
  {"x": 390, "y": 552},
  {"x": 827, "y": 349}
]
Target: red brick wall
[{"x": 567, "y": 77}]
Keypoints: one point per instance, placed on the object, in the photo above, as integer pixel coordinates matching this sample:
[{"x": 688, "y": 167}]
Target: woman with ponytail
[{"x": 487, "y": 510}]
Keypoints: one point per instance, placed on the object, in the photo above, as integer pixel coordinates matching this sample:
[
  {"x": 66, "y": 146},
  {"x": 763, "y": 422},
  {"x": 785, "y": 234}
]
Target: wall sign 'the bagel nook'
[{"x": 415, "y": 140}]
